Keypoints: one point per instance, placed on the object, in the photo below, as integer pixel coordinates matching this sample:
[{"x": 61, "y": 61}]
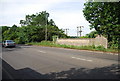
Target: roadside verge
[{"x": 87, "y": 48}]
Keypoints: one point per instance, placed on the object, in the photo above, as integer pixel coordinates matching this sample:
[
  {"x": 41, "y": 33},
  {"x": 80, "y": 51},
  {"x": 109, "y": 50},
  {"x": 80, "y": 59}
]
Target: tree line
[
  {"x": 104, "y": 17},
  {"x": 32, "y": 29}
]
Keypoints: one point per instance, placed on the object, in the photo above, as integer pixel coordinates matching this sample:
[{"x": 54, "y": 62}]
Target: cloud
[
  {"x": 65, "y": 13},
  {"x": 69, "y": 15}
]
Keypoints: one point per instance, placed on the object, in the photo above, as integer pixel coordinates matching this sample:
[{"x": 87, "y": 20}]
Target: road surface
[{"x": 39, "y": 62}]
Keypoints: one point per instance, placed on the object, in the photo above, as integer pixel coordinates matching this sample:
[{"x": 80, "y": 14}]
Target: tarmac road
[{"x": 39, "y": 62}]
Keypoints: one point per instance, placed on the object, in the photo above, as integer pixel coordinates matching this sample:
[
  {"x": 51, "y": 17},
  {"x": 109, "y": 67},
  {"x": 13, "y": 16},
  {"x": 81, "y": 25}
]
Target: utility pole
[
  {"x": 46, "y": 17},
  {"x": 66, "y": 31},
  {"x": 46, "y": 33},
  {"x": 79, "y": 30}
]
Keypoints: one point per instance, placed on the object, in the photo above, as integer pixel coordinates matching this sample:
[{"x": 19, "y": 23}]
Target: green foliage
[
  {"x": 4, "y": 28},
  {"x": 52, "y": 44},
  {"x": 101, "y": 48},
  {"x": 84, "y": 37},
  {"x": 92, "y": 34},
  {"x": 32, "y": 29},
  {"x": 114, "y": 45},
  {"x": 9, "y": 33},
  {"x": 37, "y": 23},
  {"x": 55, "y": 37},
  {"x": 104, "y": 18}
]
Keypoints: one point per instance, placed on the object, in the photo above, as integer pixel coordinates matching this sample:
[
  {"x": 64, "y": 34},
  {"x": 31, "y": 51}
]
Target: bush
[
  {"x": 19, "y": 41},
  {"x": 114, "y": 46},
  {"x": 101, "y": 48}
]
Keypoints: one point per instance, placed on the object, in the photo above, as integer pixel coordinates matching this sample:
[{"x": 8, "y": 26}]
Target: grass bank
[{"x": 91, "y": 48}]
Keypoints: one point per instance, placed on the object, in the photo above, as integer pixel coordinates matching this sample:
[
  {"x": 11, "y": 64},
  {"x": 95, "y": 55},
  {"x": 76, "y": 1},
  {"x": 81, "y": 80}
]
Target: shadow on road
[{"x": 109, "y": 72}]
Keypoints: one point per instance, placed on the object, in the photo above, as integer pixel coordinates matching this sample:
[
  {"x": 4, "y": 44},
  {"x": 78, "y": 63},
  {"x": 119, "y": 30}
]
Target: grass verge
[{"x": 91, "y": 48}]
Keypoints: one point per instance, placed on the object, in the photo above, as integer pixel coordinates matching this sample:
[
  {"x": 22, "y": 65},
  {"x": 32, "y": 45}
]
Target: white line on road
[
  {"x": 81, "y": 59},
  {"x": 41, "y": 51},
  {"x": 112, "y": 54},
  {"x": 108, "y": 53}
]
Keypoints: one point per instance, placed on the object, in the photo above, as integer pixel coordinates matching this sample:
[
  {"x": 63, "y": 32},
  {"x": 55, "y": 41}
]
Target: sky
[{"x": 65, "y": 13}]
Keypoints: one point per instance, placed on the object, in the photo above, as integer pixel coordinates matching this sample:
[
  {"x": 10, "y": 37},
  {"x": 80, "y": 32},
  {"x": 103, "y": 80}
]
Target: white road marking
[
  {"x": 41, "y": 51},
  {"x": 82, "y": 59},
  {"x": 112, "y": 54},
  {"x": 116, "y": 54}
]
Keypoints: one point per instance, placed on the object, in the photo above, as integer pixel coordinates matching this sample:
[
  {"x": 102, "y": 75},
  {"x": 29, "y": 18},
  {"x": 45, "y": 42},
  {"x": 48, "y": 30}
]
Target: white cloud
[
  {"x": 71, "y": 21},
  {"x": 65, "y": 13}
]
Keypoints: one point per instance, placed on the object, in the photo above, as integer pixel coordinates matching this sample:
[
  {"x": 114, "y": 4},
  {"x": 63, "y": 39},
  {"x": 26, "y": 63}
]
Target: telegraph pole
[
  {"x": 46, "y": 17},
  {"x": 79, "y": 30},
  {"x": 46, "y": 33},
  {"x": 66, "y": 30}
]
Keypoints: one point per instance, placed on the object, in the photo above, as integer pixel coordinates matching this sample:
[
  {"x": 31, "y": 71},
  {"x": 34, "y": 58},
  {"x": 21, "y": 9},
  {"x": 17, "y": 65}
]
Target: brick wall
[{"x": 99, "y": 40}]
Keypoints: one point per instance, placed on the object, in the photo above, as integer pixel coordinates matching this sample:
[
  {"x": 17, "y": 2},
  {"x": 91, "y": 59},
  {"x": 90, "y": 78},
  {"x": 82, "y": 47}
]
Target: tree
[
  {"x": 9, "y": 32},
  {"x": 35, "y": 26},
  {"x": 38, "y": 19},
  {"x": 32, "y": 29},
  {"x": 4, "y": 28},
  {"x": 104, "y": 18},
  {"x": 92, "y": 34}
]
